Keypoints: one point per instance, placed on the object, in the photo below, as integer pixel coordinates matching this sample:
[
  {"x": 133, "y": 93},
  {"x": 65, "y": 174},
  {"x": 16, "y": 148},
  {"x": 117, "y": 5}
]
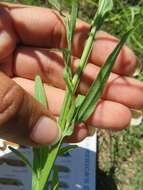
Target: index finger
[{"x": 44, "y": 27}]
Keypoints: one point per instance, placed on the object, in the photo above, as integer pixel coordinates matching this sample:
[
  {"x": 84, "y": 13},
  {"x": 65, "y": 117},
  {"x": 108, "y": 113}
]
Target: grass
[{"x": 120, "y": 154}]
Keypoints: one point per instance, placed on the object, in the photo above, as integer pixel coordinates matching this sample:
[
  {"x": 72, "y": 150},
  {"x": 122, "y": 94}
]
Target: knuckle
[
  {"x": 11, "y": 99},
  {"x": 7, "y": 35}
]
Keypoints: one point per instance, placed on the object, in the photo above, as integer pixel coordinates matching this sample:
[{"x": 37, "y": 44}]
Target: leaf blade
[
  {"x": 97, "y": 87},
  {"x": 39, "y": 152},
  {"x": 22, "y": 157},
  {"x": 40, "y": 92},
  {"x": 105, "y": 6},
  {"x": 67, "y": 149},
  {"x": 55, "y": 180},
  {"x": 56, "y": 4}
]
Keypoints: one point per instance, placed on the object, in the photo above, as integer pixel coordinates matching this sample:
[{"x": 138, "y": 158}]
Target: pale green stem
[{"x": 76, "y": 78}]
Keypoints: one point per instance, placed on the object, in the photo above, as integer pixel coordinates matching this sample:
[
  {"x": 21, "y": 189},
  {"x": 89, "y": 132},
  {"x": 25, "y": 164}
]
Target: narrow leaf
[
  {"x": 22, "y": 157},
  {"x": 55, "y": 180},
  {"x": 97, "y": 87},
  {"x": 49, "y": 164},
  {"x": 56, "y": 4},
  {"x": 79, "y": 100},
  {"x": 41, "y": 152},
  {"x": 71, "y": 118},
  {"x": 40, "y": 92},
  {"x": 95, "y": 25},
  {"x": 68, "y": 79},
  {"x": 67, "y": 149},
  {"x": 105, "y": 6},
  {"x": 70, "y": 27},
  {"x": 72, "y": 22}
]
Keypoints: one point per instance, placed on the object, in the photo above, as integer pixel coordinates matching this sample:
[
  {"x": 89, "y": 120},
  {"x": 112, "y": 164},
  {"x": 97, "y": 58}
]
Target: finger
[
  {"x": 23, "y": 120},
  {"x": 50, "y": 65},
  {"x": 51, "y": 33},
  {"x": 7, "y": 35},
  {"x": 106, "y": 114}
]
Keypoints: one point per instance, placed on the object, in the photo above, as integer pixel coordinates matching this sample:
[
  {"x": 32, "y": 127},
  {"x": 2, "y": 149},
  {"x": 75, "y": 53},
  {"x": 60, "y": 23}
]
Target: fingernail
[{"x": 45, "y": 132}]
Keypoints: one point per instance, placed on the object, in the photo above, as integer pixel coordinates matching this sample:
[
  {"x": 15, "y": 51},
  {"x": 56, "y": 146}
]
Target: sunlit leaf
[
  {"x": 39, "y": 152},
  {"x": 71, "y": 24},
  {"x": 95, "y": 91},
  {"x": 105, "y": 6},
  {"x": 40, "y": 92},
  {"x": 56, "y": 4}
]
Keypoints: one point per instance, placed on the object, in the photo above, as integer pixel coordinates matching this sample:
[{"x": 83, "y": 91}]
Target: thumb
[{"x": 24, "y": 120}]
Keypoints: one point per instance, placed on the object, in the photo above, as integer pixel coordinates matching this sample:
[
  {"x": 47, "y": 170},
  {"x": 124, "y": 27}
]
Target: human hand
[{"x": 27, "y": 34}]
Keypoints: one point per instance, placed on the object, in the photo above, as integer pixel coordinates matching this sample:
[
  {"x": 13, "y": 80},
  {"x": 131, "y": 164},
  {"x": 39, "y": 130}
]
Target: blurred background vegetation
[{"x": 120, "y": 155}]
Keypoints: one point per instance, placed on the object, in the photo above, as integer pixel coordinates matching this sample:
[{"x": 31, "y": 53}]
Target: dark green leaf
[
  {"x": 55, "y": 180},
  {"x": 67, "y": 149},
  {"x": 22, "y": 157},
  {"x": 49, "y": 164},
  {"x": 97, "y": 87},
  {"x": 41, "y": 153}
]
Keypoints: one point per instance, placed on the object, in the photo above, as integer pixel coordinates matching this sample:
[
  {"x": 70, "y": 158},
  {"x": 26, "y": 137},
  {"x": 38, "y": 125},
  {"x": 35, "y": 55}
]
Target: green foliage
[
  {"x": 74, "y": 105},
  {"x": 56, "y": 4},
  {"x": 40, "y": 154},
  {"x": 105, "y": 6},
  {"x": 40, "y": 92},
  {"x": 90, "y": 101},
  {"x": 67, "y": 149},
  {"x": 55, "y": 180},
  {"x": 21, "y": 157},
  {"x": 28, "y": 2}
]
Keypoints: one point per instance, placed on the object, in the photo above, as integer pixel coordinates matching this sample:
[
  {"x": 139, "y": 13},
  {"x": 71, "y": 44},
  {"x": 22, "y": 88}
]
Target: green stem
[
  {"x": 65, "y": 109},
  {"x": 49, "y": 165},
  {"x": 84, "y": 57},
  {"x": 35, "y": 182},
  {"x": 76, "y": 78}
]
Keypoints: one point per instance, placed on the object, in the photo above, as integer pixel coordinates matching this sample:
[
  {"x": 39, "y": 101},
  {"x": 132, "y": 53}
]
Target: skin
[{"x": 26, "y": 35}]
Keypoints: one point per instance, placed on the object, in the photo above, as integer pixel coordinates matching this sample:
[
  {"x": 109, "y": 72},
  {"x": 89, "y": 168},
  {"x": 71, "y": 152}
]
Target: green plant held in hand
[{"x": 76, "y": 108}]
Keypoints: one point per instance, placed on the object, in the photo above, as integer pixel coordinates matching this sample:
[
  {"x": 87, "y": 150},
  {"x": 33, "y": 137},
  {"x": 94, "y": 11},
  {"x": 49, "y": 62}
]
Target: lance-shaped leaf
[
  {"x": 70, "y": 27},
  {"x": 55, "y": 180},
  {"x": 105, "y": 6},
  {"x": 22, "y": 157},
  {"x": 71, "y": 24},
  {"x": 56, "y": 4},
  {"x": 67, "y": 149},
  {"x": 96, "y": 89},
  {"x": 95, "y": 25},
  {"x": 40, "y": 92},
  {"x": 39, "y": 152}
]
